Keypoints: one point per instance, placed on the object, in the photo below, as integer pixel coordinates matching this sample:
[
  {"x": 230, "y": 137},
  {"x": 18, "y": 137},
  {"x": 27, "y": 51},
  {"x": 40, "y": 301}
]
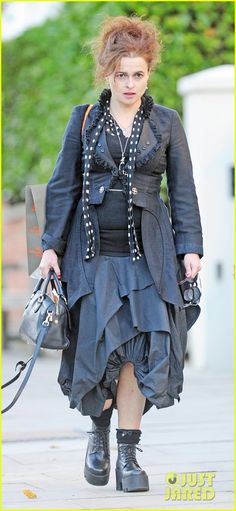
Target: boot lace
[
  {"x": 130, "y": 454},
  {"x": 100, "y": 440}
]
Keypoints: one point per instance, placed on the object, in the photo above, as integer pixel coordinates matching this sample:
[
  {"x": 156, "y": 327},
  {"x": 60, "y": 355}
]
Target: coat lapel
[
  {"x": 102, "y": 151},
  {"x": 148, "y": 145}
]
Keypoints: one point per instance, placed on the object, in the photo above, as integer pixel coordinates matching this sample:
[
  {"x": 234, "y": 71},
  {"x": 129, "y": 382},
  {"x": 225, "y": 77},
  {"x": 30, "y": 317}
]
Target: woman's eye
[{"x": 122, "y": 76}]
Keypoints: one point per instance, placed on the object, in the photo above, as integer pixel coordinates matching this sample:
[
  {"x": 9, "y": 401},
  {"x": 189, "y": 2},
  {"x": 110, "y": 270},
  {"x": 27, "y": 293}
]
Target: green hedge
[{"x": 47, "y": 70}]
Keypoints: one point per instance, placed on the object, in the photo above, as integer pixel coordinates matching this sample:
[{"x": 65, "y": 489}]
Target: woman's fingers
[
  {"x": 192, "y": 265},
  {"x": 45, "y": 269},
  {"x": 49, "y": 261},
  {"x": 57, "y": 270}
]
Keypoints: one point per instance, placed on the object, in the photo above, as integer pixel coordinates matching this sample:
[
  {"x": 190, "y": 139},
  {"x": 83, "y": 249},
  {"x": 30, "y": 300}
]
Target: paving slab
[{"x": 44, "y": 444}]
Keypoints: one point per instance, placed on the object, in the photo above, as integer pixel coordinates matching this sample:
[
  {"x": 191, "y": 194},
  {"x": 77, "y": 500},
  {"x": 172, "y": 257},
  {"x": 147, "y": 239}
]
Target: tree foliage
[{"x": 48, "y": 69}]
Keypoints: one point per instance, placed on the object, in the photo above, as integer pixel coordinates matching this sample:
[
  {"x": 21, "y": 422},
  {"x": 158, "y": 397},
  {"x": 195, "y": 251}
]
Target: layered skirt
[{"x": 123, "y": 320}]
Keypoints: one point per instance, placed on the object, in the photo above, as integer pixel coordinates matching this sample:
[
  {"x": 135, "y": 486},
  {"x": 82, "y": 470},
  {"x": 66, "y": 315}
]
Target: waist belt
[{"x": 114, "y": 242}]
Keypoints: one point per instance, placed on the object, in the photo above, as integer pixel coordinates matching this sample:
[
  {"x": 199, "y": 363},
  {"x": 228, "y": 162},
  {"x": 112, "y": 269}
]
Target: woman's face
[{"x": 128, "y": 83}]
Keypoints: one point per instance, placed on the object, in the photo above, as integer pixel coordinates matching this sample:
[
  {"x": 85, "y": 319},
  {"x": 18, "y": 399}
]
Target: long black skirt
[{"x": 123, "y": 320}]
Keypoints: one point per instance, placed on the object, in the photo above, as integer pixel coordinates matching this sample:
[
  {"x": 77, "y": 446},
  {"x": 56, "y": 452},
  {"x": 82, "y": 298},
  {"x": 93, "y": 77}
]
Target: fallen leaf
[{"x": 30, "y": 494}]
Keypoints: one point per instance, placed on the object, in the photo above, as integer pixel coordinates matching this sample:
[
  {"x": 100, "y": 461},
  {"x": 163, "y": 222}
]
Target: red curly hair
[{"x": 123, "y": 36}]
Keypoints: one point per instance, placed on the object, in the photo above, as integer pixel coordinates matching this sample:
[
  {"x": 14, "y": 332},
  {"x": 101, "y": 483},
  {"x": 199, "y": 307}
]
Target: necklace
[
  {"x": 122, "y": 160},
  {"x": 126, "y": 131}
]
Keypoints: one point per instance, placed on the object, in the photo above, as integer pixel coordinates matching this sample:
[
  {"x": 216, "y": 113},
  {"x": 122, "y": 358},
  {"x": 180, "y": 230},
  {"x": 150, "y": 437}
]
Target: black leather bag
[
  {"x": 45, "y": 322},
  {"x": 44, "y": 314}
]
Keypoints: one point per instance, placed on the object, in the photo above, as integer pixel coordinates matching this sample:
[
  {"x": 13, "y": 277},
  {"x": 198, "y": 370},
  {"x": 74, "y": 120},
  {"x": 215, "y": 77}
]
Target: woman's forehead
[{"x": 131, "y": 64}]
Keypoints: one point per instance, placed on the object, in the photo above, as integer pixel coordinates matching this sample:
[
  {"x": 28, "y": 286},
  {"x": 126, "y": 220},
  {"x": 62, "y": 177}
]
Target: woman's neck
[{"x": 120, "y": 109}]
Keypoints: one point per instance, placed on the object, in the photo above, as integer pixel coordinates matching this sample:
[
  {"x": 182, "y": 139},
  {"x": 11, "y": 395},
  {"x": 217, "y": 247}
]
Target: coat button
[
  {"x": 102, "y": 150},
  {"x": 144, "y": 147},
  {"x": 101, "y": 189},
  {"x": 99, "y": 144},
  {"x": 148, "y": 143},
  {"x": 134, "y": 190}
]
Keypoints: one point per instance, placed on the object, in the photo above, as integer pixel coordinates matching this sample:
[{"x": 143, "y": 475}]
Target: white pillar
[{"x": 208, "y": 108}]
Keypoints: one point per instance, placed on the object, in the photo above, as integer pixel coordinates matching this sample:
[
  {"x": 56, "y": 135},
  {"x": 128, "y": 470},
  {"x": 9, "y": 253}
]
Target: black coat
[
  {"x": 162, "y": 145},
  {"x": 163, "y": 142}
]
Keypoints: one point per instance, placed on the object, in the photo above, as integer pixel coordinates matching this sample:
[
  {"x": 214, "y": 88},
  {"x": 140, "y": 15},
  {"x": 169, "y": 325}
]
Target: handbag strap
[
  {"x": 40, "y": 339},
  {"x": 22, "y": 367},
  {"x": 43, "y": 284},
  {"x": 85, "y": 116},
  {"x": 56, "y": 284}
]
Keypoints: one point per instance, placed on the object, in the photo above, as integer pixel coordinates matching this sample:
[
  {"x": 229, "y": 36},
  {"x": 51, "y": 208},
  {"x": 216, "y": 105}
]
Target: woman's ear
[{"x": 107, "y": 82}]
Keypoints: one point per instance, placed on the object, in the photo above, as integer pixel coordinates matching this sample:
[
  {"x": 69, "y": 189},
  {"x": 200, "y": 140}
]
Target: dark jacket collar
[
  {"x": 147, "y": 102},
  {"x": 150, "y": 138}
]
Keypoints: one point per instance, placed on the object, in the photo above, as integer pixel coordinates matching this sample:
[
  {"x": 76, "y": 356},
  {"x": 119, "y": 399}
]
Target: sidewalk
[{"x": 44, "y": 444}]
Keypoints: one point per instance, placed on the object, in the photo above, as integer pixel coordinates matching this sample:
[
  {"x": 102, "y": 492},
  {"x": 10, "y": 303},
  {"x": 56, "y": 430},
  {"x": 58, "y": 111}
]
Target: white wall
[{"x": 208, "y": 103}]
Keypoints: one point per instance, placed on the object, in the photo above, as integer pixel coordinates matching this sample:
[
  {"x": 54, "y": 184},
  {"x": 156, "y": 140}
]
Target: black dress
[{"x": 124, "y": 319}]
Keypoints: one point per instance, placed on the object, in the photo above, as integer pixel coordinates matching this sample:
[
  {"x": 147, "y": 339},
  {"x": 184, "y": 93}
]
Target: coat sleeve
[
  {"x": 64, "y": 189},
  {"x": 185, "y": 214}
]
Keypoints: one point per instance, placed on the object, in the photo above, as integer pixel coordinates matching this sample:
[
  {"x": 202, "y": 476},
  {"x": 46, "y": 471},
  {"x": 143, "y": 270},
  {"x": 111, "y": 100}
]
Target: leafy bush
[{"x": 47, "y": 70}]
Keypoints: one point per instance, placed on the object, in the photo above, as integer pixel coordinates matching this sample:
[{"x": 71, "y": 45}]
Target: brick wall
[{"x": 15, "y": 281}]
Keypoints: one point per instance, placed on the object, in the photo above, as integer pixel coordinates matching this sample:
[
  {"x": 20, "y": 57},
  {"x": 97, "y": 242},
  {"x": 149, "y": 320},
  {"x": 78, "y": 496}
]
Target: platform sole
[
  {"x": 96, "y": 480},
  {"x": 132, "y": 483}
]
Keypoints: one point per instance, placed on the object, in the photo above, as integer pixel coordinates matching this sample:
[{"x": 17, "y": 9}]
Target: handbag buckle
[{"x": 48, "y": 318}]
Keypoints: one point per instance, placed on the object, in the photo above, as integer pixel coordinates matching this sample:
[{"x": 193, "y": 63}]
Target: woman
[{"x": 120, "y": 253}]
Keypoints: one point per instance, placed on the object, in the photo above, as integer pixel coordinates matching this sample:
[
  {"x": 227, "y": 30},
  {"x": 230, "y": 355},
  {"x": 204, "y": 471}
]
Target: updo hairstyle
[{"x": 123, "y": 36}]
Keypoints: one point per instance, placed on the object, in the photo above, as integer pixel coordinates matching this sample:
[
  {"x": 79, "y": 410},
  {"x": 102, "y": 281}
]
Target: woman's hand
[
  {"x": 192, "y": 265},
  {"x": 48, "y": 261}
]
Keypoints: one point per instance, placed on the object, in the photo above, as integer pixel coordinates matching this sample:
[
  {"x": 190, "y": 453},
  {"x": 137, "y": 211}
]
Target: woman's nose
[{"x": 130, "y": 82}]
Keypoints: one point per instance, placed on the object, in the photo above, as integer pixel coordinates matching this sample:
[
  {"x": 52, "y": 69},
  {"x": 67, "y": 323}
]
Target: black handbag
[{"x": 45, "y": 322}]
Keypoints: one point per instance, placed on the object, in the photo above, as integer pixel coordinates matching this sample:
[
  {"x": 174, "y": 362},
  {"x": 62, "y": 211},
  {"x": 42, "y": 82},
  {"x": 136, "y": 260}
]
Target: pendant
[
  {"x": 125, "y": 132},
  {"x": 121, "y": 165}
]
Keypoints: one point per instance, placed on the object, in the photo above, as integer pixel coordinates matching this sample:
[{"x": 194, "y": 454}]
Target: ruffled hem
[
  {"x": 123, "y": 317},
  {"x": 149, "y": 353}
]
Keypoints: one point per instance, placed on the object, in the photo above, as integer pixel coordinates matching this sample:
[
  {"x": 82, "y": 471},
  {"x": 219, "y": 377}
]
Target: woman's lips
[{"x": 129, "y": 94}]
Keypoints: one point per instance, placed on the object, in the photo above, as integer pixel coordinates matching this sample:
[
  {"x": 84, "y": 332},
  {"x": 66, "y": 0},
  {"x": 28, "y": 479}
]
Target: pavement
[{"x": 44, "y": 443}]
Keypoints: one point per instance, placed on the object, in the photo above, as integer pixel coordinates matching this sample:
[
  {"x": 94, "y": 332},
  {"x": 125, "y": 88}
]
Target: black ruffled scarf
[{"x": 102, "y": 115}]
